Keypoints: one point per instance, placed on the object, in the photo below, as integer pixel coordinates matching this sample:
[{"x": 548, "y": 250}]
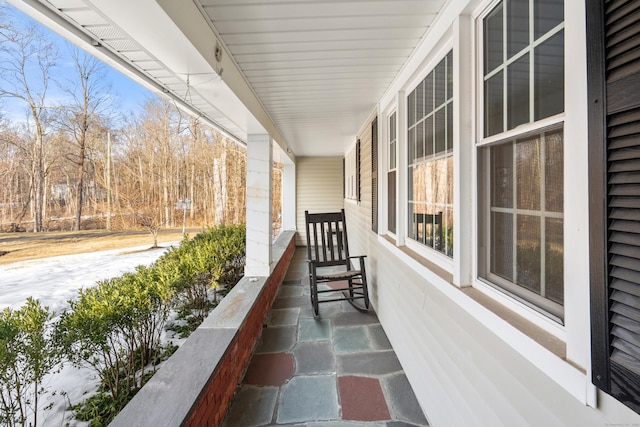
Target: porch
[
  {"x": 261, "y": 358},
  {"x": 338, "y": 369}
]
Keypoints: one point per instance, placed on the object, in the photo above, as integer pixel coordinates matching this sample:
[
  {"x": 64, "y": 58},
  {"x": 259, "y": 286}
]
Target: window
[
  {"x": 523, "y": 63},
  {"x": 374, "y": 175},
  {"x": 351, "y": 174},
  {"x": 521, "y": 175},
  {"x": 391, "y": 175},
  {"x": 430, "y": 159}
]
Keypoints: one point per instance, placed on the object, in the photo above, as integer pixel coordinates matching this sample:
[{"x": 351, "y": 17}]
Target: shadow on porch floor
[{"x": 336, "y": 370}]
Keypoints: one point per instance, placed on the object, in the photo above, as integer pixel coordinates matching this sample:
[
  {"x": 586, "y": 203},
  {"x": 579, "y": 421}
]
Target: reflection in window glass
[
  {"x": 524, "y": 243},
  {"x": 532, "y": 70},
  {"x": 494, "y": 104},
  {"x": 493, "y": 36},
  {"x": 518, "y": 92},
  {"x": 549, "y": 77},
  {"x": 431, "y": 167}
]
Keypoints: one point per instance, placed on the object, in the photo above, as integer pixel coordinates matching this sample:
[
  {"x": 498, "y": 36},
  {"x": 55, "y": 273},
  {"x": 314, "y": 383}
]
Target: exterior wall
[
  {"x": 318, "y": 189},
  {"x": 473, "y": 362}
]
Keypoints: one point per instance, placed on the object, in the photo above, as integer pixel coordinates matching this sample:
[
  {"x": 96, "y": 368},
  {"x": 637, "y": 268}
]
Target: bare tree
[
  {"x": 90, "y": 101},
  {"x": 26, "y": 67}
]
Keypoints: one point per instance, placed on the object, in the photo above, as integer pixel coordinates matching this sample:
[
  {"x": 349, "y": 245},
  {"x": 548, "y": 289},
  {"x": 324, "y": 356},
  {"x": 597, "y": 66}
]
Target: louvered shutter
[
  {"x": 614, "y": 77},
  {"x": 358, "y": 172},
  {"x": 374, "y": 175}
]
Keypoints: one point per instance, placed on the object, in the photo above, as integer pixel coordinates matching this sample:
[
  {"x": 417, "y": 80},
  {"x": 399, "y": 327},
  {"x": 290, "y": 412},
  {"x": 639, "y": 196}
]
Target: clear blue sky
[{"x": 131, "y": 96}]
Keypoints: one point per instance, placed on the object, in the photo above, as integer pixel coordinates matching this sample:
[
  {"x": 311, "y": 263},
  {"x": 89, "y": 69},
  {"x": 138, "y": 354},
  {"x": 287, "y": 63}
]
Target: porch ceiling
[{"x": 309, "y": 72}]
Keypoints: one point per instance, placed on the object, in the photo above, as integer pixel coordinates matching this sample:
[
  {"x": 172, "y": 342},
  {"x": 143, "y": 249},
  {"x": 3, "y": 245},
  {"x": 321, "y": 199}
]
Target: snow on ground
[{"x": 54, "y": 281}]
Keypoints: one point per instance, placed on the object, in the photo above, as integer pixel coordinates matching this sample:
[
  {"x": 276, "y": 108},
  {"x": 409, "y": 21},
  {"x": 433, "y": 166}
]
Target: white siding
[{"x": 319, "y": 189}]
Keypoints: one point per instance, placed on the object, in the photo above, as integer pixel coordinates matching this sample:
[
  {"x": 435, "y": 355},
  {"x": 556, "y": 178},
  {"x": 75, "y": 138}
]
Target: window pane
[
  {"x": 440, "y": 84},
  {"x": 517, "y": 26},
  {"x": 518, "y": 92},
  {"x": 391, "y": 201},
  {"x": 420, "y": 101},
  {"x": 428, "y": 136},
  {"x": 554, "y": 259},
  {"x": 420, "y": 192},
  {"x": 554, "y": 172},
  {"x": 502, "y": 176},
  {"x": 528, "y": 252},
  {"x": 420, "y": 141},
  {"x": 493, "y": 34},
  {"x": 411, "y": 141},
  {"x": 529, "y": 173},
  {"x": 410, "y": 184},
  {"x": 440, "y": 131},
  {"x": 449, "y": 126},
  {"x": 448, "y": 231},
  {"x": 411, "y": 108},
  {"x": 428, "y": 93},
  {"x": 493, "y": 109},
  {"x": 549, "y": 77},
  {"x": 392, "y": 155},
  {"x": 547, "y": 14},
  {"x": 450, "y": 75},
  {"x": 502, "y": 245}
]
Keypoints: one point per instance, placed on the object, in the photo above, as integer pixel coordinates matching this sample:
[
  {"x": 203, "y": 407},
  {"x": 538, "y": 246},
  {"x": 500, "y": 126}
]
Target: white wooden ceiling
[{"x": 317, "y": 67}]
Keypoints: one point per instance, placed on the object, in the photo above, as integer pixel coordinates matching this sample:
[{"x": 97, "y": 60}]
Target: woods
[{"x": 75, "y": 160}]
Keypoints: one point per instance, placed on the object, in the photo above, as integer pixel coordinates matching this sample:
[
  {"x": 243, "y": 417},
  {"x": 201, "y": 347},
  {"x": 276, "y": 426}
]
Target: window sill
[{"x": 541, "y": 348}]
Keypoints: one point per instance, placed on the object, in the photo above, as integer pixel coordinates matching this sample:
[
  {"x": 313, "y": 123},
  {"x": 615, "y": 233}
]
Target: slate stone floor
[{"x": 337, "y": 370}]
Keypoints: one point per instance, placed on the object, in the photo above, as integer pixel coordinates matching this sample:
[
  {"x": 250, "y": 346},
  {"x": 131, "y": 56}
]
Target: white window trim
[{"x": 575, "y": 332}]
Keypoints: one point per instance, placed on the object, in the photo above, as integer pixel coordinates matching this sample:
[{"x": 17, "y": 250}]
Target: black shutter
[
  {"x": 614, "y": 164},
  {"x": 374, "y": 175}
]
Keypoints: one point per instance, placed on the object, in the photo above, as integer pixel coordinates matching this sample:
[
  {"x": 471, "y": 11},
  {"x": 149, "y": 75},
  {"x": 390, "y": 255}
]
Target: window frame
[
  {"x": 391, "y": 143},
  {"x": 431, "y": 255},
  {"x": 548, "y": 321}
]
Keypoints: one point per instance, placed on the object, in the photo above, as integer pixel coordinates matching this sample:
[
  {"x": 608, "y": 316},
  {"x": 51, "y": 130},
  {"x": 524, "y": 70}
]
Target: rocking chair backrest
[{"x": 327, "y": 242}]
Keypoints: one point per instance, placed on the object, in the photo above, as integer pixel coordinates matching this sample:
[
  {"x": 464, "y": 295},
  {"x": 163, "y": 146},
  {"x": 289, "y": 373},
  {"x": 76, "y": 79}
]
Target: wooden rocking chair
[{"x": 329, "y": 261}]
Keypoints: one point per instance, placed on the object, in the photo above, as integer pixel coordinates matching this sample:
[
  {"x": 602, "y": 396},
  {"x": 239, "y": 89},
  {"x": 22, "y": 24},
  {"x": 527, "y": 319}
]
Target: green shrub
[{"x": 27, "y": 354}]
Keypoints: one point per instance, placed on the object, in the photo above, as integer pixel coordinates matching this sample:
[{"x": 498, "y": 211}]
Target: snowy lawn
[{"x": 54, "y": 281}]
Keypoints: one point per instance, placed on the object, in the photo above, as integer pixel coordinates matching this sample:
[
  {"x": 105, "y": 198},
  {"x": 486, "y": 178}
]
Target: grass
[{"x": 15, "y": 247}]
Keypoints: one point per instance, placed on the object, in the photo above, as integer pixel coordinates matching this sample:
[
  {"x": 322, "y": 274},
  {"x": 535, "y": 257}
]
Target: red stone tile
[
  {"x": 362, "y": 399},
  {"x": 338, "y": 285},
  {"x": 270, "y": 369}
]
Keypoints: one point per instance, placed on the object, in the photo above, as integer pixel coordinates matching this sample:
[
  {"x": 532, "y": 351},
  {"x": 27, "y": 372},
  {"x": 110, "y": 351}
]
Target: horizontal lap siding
[{"x": 319, "y": 182}]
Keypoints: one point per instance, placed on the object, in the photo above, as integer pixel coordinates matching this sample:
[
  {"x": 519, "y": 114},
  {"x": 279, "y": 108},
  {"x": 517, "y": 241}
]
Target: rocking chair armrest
[{"x": 358, "y": 256}]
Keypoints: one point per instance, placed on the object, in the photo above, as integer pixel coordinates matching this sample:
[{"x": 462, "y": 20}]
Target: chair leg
[{"x": 314, "y": 295}]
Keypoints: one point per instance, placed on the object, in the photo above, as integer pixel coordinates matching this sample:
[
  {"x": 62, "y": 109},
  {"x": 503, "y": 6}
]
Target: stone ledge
[{"x": 172, "y": 394}]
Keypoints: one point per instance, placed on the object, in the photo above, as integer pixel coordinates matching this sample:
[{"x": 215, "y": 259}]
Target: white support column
[
  {"x": 259, "y": 205},
  {"x": 463, "y": 149},
  {"x": 401, "y": 168},
  {"x": 289, "y": 196}
]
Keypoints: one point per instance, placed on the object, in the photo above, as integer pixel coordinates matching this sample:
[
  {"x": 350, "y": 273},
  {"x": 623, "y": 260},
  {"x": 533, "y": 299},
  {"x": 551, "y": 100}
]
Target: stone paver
[
  {"x": 402, "y": 400},
  {"x": 272, "y": 369},
  {"x": 362, "y": 399},
  {"x": 334, "y": 370},
  {"x": 314, "y": 358},
  {"x": 373, "y": 363},
  {"x": 284, "y": 317},
  {"x": 314, "y": 329},
  {"x": 277, "y": 339},
  {"x": 379, "y": 338},
  {"x": 308, "y": 398},
  {"x": 261, "y": 400},
  {"x": 351, "y": 340}
]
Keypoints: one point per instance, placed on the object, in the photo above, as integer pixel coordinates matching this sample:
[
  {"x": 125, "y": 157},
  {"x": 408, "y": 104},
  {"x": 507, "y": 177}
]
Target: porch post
[
  {"x": 259, "y": 205},
  {"x": 289, "y": 196}
]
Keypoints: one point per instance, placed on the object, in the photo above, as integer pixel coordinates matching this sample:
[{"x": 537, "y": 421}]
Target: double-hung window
[
  {"x": 391, "y": 174},
  {"x": 430, "y": 159},
  {"x": 520, "y": 159}
]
